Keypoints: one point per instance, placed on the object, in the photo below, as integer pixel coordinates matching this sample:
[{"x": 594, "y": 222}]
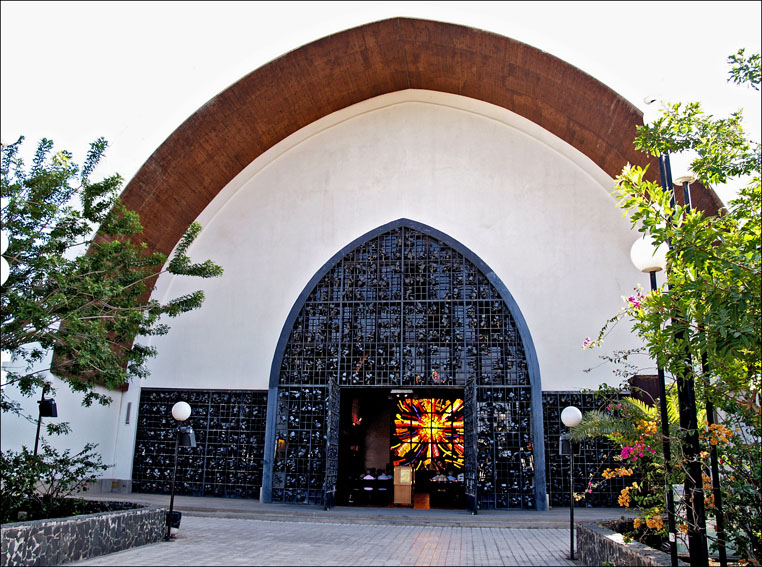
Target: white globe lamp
[
  {"x": 5, "y": 268},
  {"x": 647, "y": 257},
  {"x": 181, "y": 411},
  {"x": 571, "y": 416},
  {"x": 185, "y": 437}
]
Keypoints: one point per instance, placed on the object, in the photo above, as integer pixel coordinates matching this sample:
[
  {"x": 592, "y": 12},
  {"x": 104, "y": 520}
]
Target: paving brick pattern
[{"x": 227, "y": 541}]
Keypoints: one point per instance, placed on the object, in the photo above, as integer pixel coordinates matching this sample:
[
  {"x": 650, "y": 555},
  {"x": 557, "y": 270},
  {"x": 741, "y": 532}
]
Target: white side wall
[
  {"x": 537, "y": 211},
  {"x": 97, "y": 424}
]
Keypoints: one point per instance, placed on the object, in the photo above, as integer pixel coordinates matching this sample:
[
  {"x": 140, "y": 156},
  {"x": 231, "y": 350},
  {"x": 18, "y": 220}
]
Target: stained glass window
[{"x": 428, "y": 431}]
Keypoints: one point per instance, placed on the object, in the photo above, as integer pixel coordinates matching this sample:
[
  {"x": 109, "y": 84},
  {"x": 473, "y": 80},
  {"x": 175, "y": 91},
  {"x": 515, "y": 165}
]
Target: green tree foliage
[
  {"x": 40, "y": 486},
  {"x": 745, "y": 70},
  {"x": 712, "y": 302},
  {"x": 704, "y": 322},
  {"x": 81, "y": 293}
]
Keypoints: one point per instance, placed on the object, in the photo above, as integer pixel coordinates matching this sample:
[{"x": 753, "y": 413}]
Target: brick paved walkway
[{"x": 228, "y": 541}]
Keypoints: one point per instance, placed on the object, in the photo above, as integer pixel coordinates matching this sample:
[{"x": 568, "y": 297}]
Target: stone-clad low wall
[
  {"x": 61, "y": 540},
  {"x": 598, "y": 545}
]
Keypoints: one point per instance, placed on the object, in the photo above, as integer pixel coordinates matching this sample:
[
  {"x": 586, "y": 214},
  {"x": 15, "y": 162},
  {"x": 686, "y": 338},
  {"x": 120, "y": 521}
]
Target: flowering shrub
[
  {"x": 632, "y": 426},
  {"x": 41, "y": 486},
  {"x": 702, "y": 326}
]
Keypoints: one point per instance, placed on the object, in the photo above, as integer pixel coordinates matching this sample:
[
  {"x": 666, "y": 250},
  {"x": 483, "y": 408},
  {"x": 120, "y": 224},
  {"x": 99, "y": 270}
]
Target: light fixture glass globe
[
  {"x": 5, "y": 270},
  {"x": 571, "y": 416},
  {"x": 649, "y": 258},
  {"x": 181, "y": 411}
]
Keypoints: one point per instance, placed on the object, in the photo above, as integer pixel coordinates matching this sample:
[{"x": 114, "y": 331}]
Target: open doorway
[{"x": 417, "y": 429}]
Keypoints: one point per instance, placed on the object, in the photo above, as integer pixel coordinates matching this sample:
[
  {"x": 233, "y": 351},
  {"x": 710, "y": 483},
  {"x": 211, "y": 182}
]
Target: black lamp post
[
  {"x": 684, "y": 180},
  {"x": 571, "y": 417},
  {"x": 47, "y": 409},
  {"x": 693, "y": 491},
  {"x": 649, "y": 259},
  {"x": 185, "y": 437}
]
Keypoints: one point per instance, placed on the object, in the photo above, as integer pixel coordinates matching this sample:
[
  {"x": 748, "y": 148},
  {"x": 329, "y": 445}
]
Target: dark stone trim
[
  {"x": 269, "y": 459},
  {"x": 597, "y": 544},
  {"x": 62, "y": 540}
]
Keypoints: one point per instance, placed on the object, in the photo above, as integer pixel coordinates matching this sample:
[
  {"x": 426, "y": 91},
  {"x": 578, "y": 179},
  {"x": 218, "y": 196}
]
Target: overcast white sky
[{"x": 134, "y": 71}]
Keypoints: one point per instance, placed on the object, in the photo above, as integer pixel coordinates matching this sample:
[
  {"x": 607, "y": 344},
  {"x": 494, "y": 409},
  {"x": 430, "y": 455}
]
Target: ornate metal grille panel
[
  {"x": 505, "y": 455},
  {"x": 595, "y": 456},
  {"x": 470, "y": 434},
  {"x": 230, "y": 435},
  {"x": 299, "y": 466},
  {"x": 332, "y": 457},
  {"x": 404, "y": 309}
]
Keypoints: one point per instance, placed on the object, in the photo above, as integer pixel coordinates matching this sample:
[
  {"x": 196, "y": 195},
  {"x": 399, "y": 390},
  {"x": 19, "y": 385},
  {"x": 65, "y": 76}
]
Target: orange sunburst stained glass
[{"x": 428, "y": 430}]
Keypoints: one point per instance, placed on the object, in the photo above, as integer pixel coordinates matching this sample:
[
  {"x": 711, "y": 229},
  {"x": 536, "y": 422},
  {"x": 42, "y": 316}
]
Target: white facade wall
[{"x": 536, "y": 210}]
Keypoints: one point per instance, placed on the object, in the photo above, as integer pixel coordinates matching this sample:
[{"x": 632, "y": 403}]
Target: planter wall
[
  {"x": 61, "y": 540},
  {"x": 597, "y": 544}
]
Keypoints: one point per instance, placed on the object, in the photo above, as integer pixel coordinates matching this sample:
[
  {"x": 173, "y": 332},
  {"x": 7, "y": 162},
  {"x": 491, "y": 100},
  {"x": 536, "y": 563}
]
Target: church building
[{"x": 418, "y": 232}]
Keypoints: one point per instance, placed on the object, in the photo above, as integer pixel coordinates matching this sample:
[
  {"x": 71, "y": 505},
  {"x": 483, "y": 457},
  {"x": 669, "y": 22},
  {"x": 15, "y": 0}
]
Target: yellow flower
[
  {"x": 655, "y": 523},
  {"x": 621, "y": 471},
  {"x": 647, "y": 427},
  {"x": 624, "y": 497},
  {"x": 717, "y": 433}
]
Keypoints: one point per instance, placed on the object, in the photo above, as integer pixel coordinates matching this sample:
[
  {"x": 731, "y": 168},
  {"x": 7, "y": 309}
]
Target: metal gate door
[
  {"x": 471, "y": 435},
  {"x": 332, "y": 446}
]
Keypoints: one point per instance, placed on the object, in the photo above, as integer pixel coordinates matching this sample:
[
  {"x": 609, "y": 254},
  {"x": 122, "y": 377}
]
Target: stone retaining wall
[
  {"x": 61, "y": 540},
  {"x": 599, "y": 545}
]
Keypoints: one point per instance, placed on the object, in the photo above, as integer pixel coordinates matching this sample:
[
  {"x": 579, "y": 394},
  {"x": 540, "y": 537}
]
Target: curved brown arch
[{"x": 214, "y": 144}]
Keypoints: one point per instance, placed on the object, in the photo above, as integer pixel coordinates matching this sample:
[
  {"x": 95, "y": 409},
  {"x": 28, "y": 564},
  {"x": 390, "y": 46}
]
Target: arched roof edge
[{"x": 268, "y": 104}]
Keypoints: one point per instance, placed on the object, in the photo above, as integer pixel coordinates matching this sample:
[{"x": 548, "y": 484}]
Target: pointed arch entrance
[{"x": 406, "y": 309}]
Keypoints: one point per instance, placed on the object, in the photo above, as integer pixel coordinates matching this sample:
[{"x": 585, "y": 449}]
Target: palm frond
[
  {"x": 642, "y": 409},
  {"x": 673, "y": 406},
  {"x": 596, "y": 423}
]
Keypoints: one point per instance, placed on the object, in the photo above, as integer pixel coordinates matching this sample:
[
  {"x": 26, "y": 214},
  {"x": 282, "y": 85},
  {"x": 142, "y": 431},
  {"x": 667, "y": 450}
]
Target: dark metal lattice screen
[
  {"x": 505, "y": 456},
  {"x": 595, "y": 455},
  {"x": 230, "y": 434},
  {"x": 471, "y": 436},
  {"x": 405, "y": 309}
]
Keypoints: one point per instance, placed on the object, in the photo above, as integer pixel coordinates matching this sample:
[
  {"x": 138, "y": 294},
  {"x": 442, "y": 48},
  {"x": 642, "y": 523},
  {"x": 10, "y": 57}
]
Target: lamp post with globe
[
  {"x": 651, "y": 259},
  {"x": 571, "y": 417},
  {"x": 186, "y": 437}
]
